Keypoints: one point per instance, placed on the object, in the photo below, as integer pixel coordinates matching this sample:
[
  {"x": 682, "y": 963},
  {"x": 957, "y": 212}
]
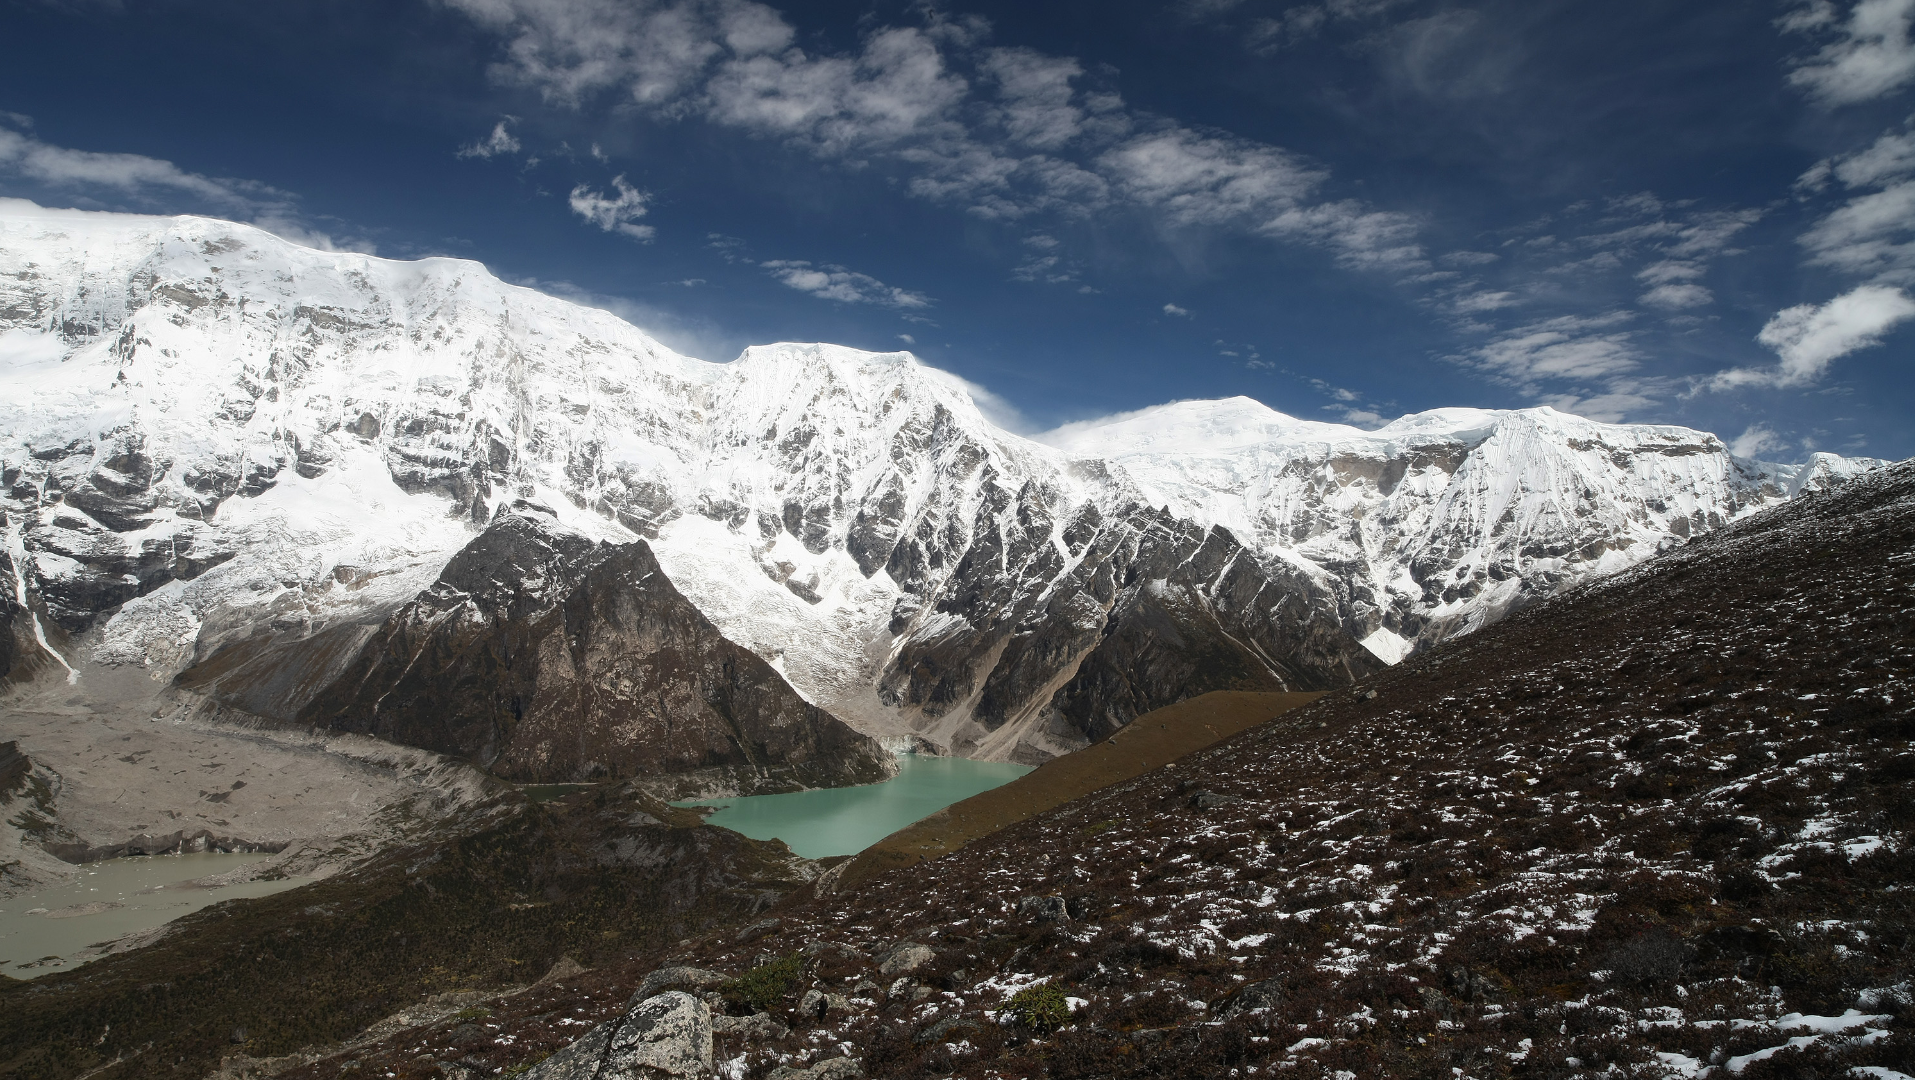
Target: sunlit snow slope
[{"x": 210, "y": 434}]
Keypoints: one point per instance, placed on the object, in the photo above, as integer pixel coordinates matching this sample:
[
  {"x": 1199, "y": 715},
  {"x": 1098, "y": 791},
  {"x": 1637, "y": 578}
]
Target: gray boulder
[
  {"x": 1044, "y": 909},
  {"x": 904, "y": 957},
  {"x": 1266, "y": 994},
  {"x": 758, "y": 1026},
  {"x": 676, "y": 978},
  {"x": 668, "y": 1035}
]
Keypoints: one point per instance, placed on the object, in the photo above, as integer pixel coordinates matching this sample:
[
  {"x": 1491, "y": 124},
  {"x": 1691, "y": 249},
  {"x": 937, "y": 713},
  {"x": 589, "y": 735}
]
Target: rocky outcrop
[
  {"x": 15, "y": 767},
  {"x": 178, "y": 842},
  {"x": 667, "y": 1035},
  {"x": 545, "y": 656}
]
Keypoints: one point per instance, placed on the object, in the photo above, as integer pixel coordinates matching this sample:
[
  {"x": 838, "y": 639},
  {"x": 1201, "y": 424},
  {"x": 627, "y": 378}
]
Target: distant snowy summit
[{"x": 213, "y": 437}]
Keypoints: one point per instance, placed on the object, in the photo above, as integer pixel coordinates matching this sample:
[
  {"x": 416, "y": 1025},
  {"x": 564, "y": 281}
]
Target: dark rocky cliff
[{"x": 547, "y": 657}]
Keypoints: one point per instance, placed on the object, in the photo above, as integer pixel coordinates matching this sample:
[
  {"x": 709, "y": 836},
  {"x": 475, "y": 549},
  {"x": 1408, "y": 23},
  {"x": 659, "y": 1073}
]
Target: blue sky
[{"x": 1696, "y": 213}]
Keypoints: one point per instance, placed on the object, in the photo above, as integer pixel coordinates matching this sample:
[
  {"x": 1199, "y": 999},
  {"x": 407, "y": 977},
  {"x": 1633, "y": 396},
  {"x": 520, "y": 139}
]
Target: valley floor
[{"x": 135, "y": 766}]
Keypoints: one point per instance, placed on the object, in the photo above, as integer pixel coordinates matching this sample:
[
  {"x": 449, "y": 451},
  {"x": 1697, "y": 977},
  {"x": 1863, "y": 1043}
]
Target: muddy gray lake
[{"x": 54, "y": 928}]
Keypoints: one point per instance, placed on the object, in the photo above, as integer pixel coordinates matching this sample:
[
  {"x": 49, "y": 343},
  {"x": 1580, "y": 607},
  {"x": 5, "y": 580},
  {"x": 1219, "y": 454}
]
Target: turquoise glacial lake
[{"x": 842, "y": 821}]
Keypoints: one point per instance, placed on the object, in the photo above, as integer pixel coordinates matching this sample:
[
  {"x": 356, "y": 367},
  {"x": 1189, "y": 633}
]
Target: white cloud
[
  {"x": 1623, "y": 400},
  {"x": 999, "y": 412},
  {"x": 153, "y": 183},
  {"x": 1361, "y": 239},
  {"x": 1809, "y": 338},
  {"x": 1469, "y": 258},
  {"x": 500, "y": 142},
  {"x": 1488, "y": 300},
  {"x": 689, "y": 336},
  {"x": 908, "y": 338},
  {"x": 829, "y": 282},
  {"x": 616, "y": 214},
  {"x": 132, "y": 174},
  {"x": 1177, "y": 311},
  {"x": 1889, "y": 159},
  {"x": 1869, "y": 54},
  {"x": 1668, "y": 270},
  {"x": 1756, "y": 440},
  {"x": 1677, "y": 297},
  {"x": 1567, "y": 347},
  {"x": 898, "y": 87},
  {"x": 1364, "y": 418},
  {"x": 1036, "y": 96},
  {"x": 1004, "y": 133},
  {"x": 1869, "y": 235},
  {"x": 1207, "y": 179},
  {"x": 1697, "y": 235}
]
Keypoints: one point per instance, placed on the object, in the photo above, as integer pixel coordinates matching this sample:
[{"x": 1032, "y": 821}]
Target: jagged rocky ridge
[
  {"x": 215, "y": 436},
  {"x": 543, "y": 655}
]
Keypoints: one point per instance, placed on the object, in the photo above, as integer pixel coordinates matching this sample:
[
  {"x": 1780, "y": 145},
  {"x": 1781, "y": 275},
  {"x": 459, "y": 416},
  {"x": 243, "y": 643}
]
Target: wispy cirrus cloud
[
  {"x": 830, "y": 282},
  {"x": 1562, "y": 347},
  {"x": 1868, "y": 51},
  {"x": 152, "y": 183},
  {"x": 1004, "y": 133}
]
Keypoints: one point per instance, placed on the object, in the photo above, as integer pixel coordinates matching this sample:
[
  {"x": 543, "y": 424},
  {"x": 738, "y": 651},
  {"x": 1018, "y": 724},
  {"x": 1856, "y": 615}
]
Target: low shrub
[
  {"x": 1042, "y": 1007},
  {"x": 764, "y": 987}
]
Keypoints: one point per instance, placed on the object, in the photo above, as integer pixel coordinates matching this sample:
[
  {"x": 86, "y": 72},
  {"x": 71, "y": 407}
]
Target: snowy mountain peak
[{"x": 212, "y": 434}]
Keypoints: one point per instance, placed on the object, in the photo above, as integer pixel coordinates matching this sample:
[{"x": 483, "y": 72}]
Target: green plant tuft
[
  {"x": 762, "y": 988},
  {"x": 1042, "y": 1007}
]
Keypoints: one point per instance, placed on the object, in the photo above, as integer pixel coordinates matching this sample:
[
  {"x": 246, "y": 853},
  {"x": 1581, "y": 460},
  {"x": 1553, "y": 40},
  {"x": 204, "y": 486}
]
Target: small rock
[
  {"x": 668, "y": 1035},
  {"x": 1436, "y": 1003},
  {"x": 818, "y": 1003},
  {"x": 1207, "y": 800},
  {"x": 564, "y": 968},
  {"x": 756, "y": 931},
  {"x": 1266, "y": 994},
  {"x": 820, "y": 948},
  {"x": 904, "y": 957},
  {"x": 757, "y": 1026},
  {"x": 947, "y": 1029},
  {"x": 676, "y": 978},
  {"x": 838, "y": 1068},
  {"x": 1469, "y": 985},
  {"x": 1044, "y": 908}
]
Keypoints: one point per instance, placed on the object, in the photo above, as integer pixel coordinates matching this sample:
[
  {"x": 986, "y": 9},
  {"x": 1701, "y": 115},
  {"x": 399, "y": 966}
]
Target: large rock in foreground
[
  {"x": 668, "y": 1035},
  {"x": 546, "y": 656}
]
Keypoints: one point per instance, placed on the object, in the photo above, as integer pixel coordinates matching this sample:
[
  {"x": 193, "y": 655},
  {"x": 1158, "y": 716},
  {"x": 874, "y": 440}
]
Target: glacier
[{"x": 210, "y": 434}]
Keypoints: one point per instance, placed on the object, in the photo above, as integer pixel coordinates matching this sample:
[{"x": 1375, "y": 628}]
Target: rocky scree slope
[
  {"x": 545, "y": 656},
  {"x": 1655, "y": 827},
  {"x": 213, "y": 435}
]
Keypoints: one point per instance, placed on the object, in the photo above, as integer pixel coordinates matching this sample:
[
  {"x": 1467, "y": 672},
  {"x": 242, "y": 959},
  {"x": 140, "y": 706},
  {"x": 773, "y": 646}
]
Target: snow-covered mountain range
[{"x": 209, "y": 434}]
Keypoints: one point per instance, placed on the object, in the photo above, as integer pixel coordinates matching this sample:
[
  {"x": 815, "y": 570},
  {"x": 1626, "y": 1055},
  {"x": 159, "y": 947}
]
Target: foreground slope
[
  {"x": 1658, "y": 826},
  {"x": 212, "y": 435}
]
